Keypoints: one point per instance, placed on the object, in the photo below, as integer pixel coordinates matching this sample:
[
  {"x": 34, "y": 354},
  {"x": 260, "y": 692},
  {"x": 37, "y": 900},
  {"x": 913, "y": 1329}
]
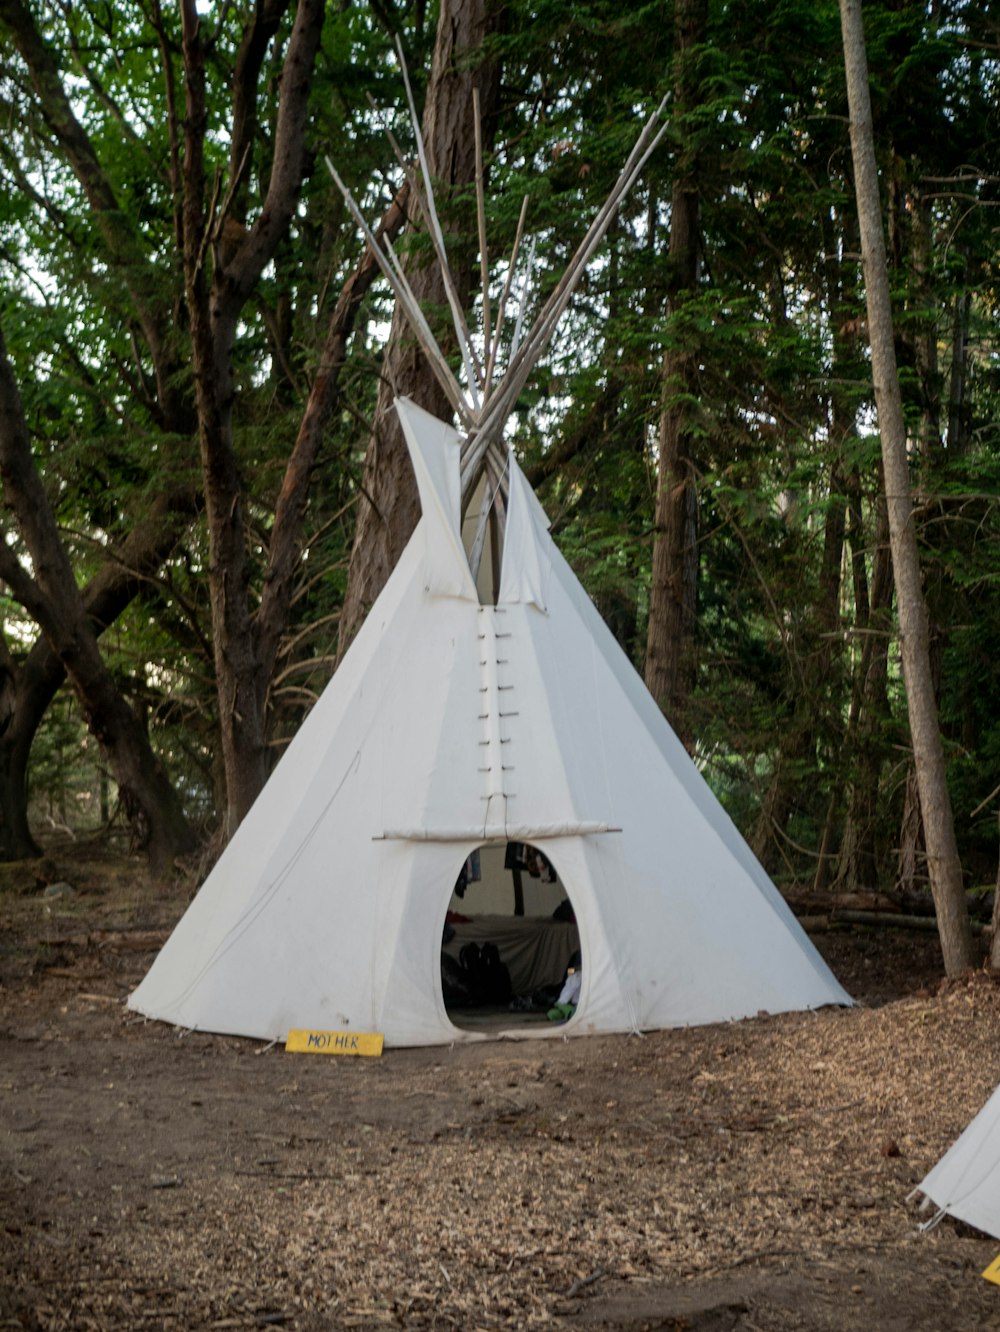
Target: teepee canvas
[
  {"x": 452, "y": 724},
  {"x": 457, "y": 722},
  {"x": 965, "y": 1183}
]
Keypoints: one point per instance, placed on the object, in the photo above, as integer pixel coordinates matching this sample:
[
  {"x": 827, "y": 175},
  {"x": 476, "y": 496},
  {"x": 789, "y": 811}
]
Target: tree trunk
[
  {"x": 843, "y": 298},
  {"x": 812, "y": 737},
  {"x": 29, "y": 687},
  {"x": 16, "y": 841},
  {"x": 246, "y": 644},
  {"x": 809, "y": 728},
  {"x": 285, "y": 546},
  {"x": 389, "y": 507},
  {"x": 942, "y": 851},
  {"x": 911, "y": 854},
  {"x": 55, "y": 602},
  {"x": 866, "y": 744},
  {"x": 214, "y": 309},
  {"x": 958, "y": 406},
  {"x": 925, "y": 326},
  {"x": 670, "y": 643},
  {"x": 995, "y": 937},
  {"x": 823, "y": 720}
]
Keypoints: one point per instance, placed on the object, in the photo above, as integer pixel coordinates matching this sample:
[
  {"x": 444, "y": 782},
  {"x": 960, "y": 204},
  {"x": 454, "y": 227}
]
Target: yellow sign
[
  {"x": 992, "y": 1273},
  {"x": 335, "y": 1042}
]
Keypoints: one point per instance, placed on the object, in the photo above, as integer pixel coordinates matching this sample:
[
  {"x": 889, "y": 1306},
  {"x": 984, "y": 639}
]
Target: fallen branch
[
  {"x": 894, "y": 920},
  {"x": 823, "y": 904},
  {"x": 579, "y": 1284}
]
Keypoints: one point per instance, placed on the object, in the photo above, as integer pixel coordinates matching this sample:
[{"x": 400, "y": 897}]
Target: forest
[{"x": 205, "y": 487}]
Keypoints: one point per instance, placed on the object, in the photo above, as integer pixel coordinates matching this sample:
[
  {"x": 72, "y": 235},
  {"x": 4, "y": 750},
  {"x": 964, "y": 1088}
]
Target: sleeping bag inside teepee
[{"x": 453, "y": 725}]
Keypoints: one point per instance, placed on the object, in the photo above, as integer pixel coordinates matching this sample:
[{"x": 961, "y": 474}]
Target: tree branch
[
  {"x": 259, "y": 244},
  {"x": 246, "y": 76},
  {"x": 121, "y": 241},
  {"x": 286, "y": 532}
]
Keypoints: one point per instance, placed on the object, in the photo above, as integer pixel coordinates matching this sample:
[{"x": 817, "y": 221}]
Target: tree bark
[
  {"x": 809, "y": 727},
  {"x": 942, "y": 851},
  {"x": 842, "y": 295},
  {"x": 16, "y": 841},
  {"x": 285, "y": 547},
  {"x": 389, "y": 507},
  {"x": 53, "y": 599},
  {"x": 29, "y": 686},
  {"x": 995, "y": 927},
  {"x": 866, "y": 744},
  {"x": 214, "y": 308},
  {"x": 670, "y": 663},
  {"x": 958, "y": 407}
]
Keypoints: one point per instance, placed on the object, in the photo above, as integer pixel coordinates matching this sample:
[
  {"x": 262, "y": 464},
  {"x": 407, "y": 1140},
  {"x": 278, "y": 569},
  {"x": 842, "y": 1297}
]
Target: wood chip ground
[{"x": 751, "y": 1175}]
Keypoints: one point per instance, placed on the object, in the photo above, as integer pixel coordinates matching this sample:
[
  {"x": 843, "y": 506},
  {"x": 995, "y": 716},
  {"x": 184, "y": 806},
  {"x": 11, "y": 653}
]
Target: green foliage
[
  {"x": 68, "y": 783},
  {"x": 780, "y": 407}
]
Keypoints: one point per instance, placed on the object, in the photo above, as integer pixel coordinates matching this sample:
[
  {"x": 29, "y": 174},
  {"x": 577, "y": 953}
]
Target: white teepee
[
  {"x": 448, "y": 725},
  {"x": 451, "y": 724},
  {"x": 965, "y": 1183}
]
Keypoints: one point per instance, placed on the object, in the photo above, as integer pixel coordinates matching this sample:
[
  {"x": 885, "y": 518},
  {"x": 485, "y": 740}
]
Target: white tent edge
[{"x": 965, "y": 1182}]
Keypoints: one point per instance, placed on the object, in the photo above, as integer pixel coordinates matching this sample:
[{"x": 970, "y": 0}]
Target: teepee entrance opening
[{"x": 510, "y": 943}]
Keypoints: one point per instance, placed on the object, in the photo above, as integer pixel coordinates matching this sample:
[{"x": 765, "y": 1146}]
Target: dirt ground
[{"x": 747, "y": 1176}]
